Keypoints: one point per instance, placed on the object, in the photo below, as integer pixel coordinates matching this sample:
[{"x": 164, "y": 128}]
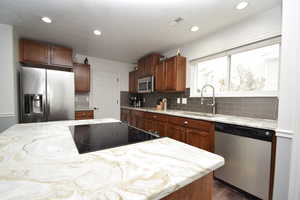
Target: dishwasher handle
[{"x": 243, "y": 131}]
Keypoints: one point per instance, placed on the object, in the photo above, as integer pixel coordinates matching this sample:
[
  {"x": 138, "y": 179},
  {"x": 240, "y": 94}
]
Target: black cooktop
[{"x": 94, "y": 137}]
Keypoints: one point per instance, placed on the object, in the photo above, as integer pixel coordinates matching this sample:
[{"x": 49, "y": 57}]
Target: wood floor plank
[{"x": 222, "y": 191}]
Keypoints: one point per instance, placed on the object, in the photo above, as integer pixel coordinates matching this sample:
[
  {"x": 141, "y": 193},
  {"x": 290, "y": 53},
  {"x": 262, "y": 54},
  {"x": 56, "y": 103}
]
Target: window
[
  {"x": 213, "y": 72},
  {"x": 245, "y": 71}
]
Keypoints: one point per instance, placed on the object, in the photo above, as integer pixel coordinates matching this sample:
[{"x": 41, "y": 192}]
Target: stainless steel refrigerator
[{"x": 46, "y": 95}]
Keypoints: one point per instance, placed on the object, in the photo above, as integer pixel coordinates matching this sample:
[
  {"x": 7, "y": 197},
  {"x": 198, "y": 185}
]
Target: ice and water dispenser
[{"x": 33, "y": 107}]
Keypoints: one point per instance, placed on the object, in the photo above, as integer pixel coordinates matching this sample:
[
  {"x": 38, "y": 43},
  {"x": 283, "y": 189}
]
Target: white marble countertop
[
  {"x": 229, "y": 119},
  {"x": 40, "y": 161}
]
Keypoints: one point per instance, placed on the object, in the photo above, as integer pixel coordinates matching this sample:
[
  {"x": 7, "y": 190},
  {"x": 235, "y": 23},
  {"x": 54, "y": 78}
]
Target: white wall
[
  {"x": 120, "y": 68},
  {"x": 103, "y": 66},
  {"x": 265, "y": 25},
  {"x": 287, "y": 178},
  {"x": 8, "y": 114}
]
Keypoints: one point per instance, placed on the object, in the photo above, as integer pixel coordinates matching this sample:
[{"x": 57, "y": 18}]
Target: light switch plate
[
  {"x": 178, "y": 100},
  {"x": 184, "y": 100}
]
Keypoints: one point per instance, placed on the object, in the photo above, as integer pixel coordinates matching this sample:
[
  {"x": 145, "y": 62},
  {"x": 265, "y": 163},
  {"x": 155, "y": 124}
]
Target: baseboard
[{"x": 5, "y": 115}]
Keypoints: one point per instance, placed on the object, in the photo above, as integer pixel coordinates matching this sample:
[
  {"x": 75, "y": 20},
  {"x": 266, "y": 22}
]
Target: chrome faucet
[{"x": 213, "y": 104}]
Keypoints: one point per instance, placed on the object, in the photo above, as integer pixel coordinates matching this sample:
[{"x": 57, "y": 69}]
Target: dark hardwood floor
[{"x": 223, "y": 192}]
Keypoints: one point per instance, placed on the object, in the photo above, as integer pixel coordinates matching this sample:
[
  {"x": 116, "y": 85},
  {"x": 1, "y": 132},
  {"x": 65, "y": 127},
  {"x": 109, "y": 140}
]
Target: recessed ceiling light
[
  {"x": 194, "y": 28},
  {"x": 242, "y": 5},
  {"x": 97, "y": 32},
  {"x": 46, "y": 20}
]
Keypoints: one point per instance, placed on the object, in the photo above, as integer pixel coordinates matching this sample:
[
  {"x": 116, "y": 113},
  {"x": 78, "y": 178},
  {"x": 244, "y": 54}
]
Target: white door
[{"x": 106, "y": 95}]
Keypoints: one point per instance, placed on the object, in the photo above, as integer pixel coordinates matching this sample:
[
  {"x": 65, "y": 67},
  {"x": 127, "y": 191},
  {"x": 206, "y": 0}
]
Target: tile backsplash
[
  {"x": 82, "y": 100},
  {"x": 256, "y": 107}
]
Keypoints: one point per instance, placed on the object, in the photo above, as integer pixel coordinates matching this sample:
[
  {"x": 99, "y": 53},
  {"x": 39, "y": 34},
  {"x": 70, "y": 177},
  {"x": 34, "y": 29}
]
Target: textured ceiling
[{"x": 131, "y": 28}]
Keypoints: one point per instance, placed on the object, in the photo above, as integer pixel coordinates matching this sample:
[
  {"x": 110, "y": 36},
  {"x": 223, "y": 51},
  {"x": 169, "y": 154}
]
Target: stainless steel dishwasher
[{"x": 247, "y": 153}]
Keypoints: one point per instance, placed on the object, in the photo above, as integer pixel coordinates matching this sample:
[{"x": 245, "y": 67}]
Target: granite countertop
[
  {"x": 228, "y": 119},
  {"x": 41, "y": 161}
]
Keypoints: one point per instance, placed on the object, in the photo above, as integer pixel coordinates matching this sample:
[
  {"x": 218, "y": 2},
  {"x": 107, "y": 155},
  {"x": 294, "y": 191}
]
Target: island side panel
[{"x": 199, "y": 189}]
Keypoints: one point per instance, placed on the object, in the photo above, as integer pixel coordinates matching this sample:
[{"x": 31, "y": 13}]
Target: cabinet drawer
[
  {"x": 139, "y": 114},
  {"x": 192, "y": 123},
  {"x": 88, "y": 114},
  {"x": 154, "y": 116}
]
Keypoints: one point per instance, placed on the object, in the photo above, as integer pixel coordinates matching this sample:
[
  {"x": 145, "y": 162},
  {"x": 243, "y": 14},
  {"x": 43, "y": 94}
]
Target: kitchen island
[{"x": 41, "y": 161}]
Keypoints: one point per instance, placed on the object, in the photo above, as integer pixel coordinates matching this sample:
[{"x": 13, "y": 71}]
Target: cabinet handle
[
  {"x": 186, "y": 122},
  {"x": 154, "y": 116}
]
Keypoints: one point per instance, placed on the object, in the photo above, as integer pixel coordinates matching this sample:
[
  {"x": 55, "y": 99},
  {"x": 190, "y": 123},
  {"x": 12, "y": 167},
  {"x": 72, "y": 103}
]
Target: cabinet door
[
  {"x": 175, "y": 73},
  {"x": 82, "y": 115},
  {"x": 132, "y": 82},
  {"x": 160, "y": 77},
  {"x": 199, "y": 138},
  {"x": 125, "y": 116},
  {"x": 141, "y": 68},
  {"x": 61, "y": 56},
  {"x": 149, "y": 125},
  {"x": 161, "y": 128},
  {"x": 139, "y": 122},
  {"x": 132, "y": 118},
  {"x": 82, "y": 77},
  {"x": 34, "y": 52},
  {"x": 151, "y": 62},
  {"x": 176, "y": 132},
  {"x": 170, "y": 74}
]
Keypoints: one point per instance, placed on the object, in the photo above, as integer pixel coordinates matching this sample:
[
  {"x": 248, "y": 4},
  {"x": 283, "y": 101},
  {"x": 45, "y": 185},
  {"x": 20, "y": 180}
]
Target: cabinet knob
[{"x": 186, "y": 122}]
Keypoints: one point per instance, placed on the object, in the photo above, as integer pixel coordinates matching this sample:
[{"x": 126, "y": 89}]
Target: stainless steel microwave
[{"x": 146, "y": 84}]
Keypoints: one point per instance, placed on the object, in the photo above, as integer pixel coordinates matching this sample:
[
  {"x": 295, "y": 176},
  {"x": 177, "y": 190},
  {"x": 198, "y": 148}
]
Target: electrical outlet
[
  {"x": 184, "y": 100},
  {"x": 178, "y": 100}
]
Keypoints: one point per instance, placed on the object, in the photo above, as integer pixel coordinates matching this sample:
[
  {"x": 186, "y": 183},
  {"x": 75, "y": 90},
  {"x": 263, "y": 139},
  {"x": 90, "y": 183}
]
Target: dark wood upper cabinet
[
  {"x": 160, "y": 77},
  {"x": 141, "y": 68},
  {"x": 175, "y": 74},
  {"x": 132, "y": 82},
  {"x": 43, "y": 54},
  {"x": 146, "y": 65},
  {"x": 151, "y": 61},
  {"x": 34, "y": 52},
  {"x": 82, "y": 77},
  {"x": 61, "y": 56},
  {"x": 169, "y": 75}
]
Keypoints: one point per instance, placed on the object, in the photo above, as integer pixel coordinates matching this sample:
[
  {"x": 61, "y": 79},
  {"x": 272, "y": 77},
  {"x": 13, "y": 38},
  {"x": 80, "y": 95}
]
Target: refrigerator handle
[{"x": 48, "y": 101}]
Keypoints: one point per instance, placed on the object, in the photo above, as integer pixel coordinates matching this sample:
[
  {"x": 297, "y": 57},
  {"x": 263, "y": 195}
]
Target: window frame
[{"x": 228, "y": 54}]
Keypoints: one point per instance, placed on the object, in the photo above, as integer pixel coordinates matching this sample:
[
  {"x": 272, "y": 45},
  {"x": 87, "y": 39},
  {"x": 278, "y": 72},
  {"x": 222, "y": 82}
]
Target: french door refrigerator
[{"x": 46, "y": 95}]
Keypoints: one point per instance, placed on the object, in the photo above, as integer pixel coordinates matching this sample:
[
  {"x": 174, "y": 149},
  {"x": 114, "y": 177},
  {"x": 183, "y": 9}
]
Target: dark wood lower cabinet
[
  {"x": 84, "y": 114},
  {"x": 200, "y": 189},
  {"x": 125, "y": 115},
  {"x": 197, "y": 133},
  {"x": 137, "y": 119},
  {"x": 149, "y": 125},
  {"x": 161, "y": 128},
  {"x": 198, "y": 138},
  {"x": 176, "y": 132}
]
